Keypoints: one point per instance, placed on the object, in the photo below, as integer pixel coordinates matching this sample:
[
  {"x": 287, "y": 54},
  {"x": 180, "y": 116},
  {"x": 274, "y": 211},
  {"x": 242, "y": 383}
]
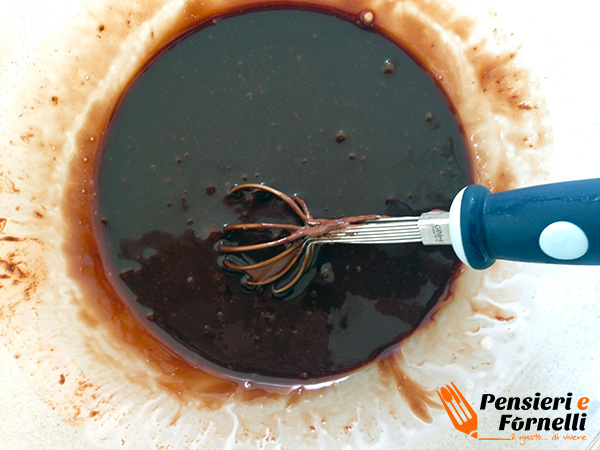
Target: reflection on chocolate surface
[{"x": 354, "y": 303}]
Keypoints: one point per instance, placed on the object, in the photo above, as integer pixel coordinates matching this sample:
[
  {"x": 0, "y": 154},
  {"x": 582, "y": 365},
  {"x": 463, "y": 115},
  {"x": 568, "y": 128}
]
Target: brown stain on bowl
[
  {"x": 420, "y": 400},
  {"x": 492, "y": 93}
]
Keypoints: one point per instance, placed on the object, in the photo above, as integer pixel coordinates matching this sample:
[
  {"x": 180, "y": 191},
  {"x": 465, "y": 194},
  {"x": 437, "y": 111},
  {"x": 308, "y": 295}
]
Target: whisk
[{"x": 553, "y": 223}]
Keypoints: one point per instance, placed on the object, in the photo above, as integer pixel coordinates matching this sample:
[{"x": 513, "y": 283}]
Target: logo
[
  {"x": 568, "y": 423},
  {"x": 461, "y": 413}
]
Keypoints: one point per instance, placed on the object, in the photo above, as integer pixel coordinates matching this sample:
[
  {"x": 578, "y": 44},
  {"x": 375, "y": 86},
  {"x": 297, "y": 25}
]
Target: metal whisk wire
[
  {"x": 299, "y": 252},
  {"x": 296, "y": 258}
]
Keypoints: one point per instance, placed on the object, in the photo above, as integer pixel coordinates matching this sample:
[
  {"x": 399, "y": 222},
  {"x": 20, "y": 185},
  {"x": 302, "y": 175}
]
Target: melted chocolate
[{"x": 307, "y": 103}]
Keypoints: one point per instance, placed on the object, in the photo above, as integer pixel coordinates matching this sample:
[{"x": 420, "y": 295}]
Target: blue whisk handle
[{"x": 554, "y": 223}]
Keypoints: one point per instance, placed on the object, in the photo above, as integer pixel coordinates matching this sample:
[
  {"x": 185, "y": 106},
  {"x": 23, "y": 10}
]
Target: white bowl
[{"x": 512, "y": 330}]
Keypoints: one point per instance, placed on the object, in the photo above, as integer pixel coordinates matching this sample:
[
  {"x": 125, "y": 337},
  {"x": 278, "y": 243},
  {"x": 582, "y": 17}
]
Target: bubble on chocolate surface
[{"x": 389, "y": 66}]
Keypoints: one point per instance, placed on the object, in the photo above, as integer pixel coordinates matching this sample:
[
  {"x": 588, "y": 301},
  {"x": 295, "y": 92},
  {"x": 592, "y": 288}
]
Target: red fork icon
[{"x": 461, "y": 414}]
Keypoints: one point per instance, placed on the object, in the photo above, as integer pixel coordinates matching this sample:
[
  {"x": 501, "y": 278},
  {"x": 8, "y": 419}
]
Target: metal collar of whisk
[{"x": 431, "y": 228}]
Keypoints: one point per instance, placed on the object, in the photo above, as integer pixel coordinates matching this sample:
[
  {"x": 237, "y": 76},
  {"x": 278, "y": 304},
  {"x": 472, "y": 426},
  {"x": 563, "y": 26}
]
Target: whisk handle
[{"x": 553, "y": 223}]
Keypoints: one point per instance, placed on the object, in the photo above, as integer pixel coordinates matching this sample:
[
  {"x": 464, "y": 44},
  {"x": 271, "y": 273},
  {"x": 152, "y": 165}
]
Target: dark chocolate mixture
[{"x": 306, "y": 103}]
